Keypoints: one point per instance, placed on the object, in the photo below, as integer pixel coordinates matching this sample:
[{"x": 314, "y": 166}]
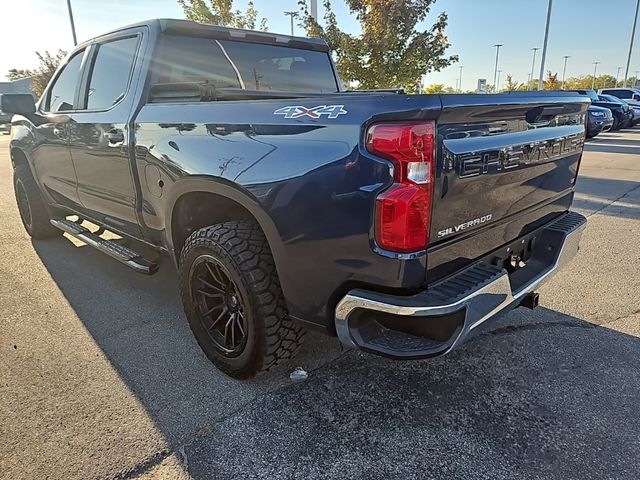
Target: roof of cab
[{"x": 171, "y": 26}]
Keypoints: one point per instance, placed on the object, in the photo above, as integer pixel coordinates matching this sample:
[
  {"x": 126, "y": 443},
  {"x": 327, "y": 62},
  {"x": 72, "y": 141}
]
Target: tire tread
[
  {"x": 41, "y": 228},
  {"x": 277, "y": 336}
]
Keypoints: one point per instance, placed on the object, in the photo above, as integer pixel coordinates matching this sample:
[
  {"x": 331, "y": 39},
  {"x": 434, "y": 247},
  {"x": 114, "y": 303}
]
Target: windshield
[
  {"x": 592, "y": 95},
  {"x": 242, "y": 65}
]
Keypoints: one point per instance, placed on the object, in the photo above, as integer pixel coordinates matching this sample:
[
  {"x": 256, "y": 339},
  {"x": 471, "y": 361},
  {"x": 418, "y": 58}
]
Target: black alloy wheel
[
  {"x": 233, "y": 300},
  {"x": 33, "y": 211},
  {"x": 219, "y": 305}
]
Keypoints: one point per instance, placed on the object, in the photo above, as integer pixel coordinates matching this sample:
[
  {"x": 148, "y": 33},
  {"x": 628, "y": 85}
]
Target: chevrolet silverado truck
[{"x": 399, "y": 223}]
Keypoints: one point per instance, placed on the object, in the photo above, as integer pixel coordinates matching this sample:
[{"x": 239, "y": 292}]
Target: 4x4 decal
[{"x": 298, "y": 111}]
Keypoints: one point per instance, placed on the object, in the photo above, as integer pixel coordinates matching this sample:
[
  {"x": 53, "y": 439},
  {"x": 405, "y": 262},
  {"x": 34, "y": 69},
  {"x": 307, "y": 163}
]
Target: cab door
[
  {"x": 51, "y": 156},
  {"x": 99, "y": 136}
]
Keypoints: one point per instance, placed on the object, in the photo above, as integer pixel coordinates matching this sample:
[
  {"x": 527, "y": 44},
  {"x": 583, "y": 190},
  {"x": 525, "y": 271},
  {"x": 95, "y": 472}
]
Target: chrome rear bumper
[{"x": 365, "y": 319}]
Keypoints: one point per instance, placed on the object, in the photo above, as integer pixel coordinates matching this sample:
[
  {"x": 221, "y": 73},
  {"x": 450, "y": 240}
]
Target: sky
[{"x": 587, "y": 30}]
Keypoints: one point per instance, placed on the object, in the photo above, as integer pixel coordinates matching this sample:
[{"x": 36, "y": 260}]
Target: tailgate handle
[{"x": 543, "y": 114}]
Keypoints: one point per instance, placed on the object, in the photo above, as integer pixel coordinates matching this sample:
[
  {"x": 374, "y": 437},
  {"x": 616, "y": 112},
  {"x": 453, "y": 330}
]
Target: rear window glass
[
  {"x": 618, "y": 93},
  {"x": 250, "y": 66}
]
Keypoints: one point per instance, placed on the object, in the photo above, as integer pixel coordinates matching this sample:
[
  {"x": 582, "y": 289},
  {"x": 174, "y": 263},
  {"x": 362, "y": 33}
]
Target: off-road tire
[
  {"x": 242, "y": 249},
  {"x": 33, "y": 211}
]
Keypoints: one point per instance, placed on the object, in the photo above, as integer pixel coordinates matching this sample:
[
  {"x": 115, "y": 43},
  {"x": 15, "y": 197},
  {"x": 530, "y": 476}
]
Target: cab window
[
  {"x": 62, "y": 93},
  {"x": 110, "y": 73}
]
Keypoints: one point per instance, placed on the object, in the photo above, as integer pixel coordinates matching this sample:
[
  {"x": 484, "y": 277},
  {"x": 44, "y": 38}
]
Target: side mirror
[
  {"x": 18, "y": 103},
  {"x": 636, "y": 96}
]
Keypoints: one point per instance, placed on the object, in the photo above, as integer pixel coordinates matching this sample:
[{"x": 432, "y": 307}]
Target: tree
[
  {"x": 435, "y": 88},
  {"x": 220, "y": 12},
  {"x": 391, "y": 51},
  {"x": 41, "y": 75},
  {"x": 604, "y": 81},
  {"x": 513, "y": 85},
  {"x": 581, "y": 82},
  {"x": 584, "y": 82},
  {"x": 551, "y": 82}
]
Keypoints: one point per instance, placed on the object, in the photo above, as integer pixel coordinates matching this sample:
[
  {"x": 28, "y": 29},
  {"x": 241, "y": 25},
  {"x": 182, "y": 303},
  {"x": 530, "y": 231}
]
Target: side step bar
[{"x": 121, "y": 253}]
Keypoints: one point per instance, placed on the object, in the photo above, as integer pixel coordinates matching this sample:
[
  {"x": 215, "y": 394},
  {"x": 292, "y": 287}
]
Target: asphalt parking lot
[{"x": 101, "y": 378}]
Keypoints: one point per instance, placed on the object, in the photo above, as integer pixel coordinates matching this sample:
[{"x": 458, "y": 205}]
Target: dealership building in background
[{"x": 22, "y": 85}]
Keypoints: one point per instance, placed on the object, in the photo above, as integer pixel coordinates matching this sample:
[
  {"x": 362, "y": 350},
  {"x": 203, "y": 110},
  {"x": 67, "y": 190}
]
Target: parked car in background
[
  {"x": 622, "y": 114},
  {"x": 636, "y": 114},
  {"x": 629, "y": 95},
  {"x": 634, "y": 111},
  {"x": 599, "y": 120}
]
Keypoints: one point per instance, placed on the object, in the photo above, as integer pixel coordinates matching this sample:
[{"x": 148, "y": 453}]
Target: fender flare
[
  {"x": 20, "y": 133},
  {"x": 232, "y": 191}
]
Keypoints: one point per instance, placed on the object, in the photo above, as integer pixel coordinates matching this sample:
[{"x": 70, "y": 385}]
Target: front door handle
[{"x": 114, "y": 136}]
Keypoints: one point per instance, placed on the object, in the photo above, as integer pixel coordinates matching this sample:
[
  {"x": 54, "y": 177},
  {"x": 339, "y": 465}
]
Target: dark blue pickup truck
[{"x": 399, "y": 223}]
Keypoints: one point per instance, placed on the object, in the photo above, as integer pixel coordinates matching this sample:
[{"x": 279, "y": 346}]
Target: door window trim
[
  {"x": 83, "y": 91},
  {"x": 43, "y": 106}
]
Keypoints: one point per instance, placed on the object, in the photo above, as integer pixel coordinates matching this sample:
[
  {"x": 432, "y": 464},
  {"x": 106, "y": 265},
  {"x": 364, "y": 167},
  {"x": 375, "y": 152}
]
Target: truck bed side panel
[{"x": 309, "y": 176}]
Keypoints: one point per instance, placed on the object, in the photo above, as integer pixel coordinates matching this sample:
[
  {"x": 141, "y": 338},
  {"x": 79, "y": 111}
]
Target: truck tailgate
[{"x": 505, "y": 165}]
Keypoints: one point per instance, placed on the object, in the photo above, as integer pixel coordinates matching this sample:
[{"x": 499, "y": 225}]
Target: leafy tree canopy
[
  {"x": 41, "y": 75},
  {"x": 551, "y": 81},
  {"x": 221, "y": 12},
  {"x": 602, "y": 81},
  {"x": 438, "y": 88},
  {"x": 391, "y": 51},
  {"x": 513, "y": 85}
]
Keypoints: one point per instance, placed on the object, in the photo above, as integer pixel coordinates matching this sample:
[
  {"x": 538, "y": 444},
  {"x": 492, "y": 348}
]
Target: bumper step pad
[
  {"x": 386, "y": 324},
  {"x": 124, "y": 255}
]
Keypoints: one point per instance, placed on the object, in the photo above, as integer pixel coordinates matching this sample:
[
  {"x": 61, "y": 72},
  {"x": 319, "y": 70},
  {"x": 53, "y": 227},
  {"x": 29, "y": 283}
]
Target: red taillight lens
[{"x": 403, "y": 212}]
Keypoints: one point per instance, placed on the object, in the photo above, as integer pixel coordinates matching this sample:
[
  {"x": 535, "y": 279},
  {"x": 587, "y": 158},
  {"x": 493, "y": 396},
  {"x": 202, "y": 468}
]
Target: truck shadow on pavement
[{"x": 539, "y": 394}]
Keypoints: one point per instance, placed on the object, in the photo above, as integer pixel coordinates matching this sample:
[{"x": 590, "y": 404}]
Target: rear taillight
[{"x": 403, "y": 212}]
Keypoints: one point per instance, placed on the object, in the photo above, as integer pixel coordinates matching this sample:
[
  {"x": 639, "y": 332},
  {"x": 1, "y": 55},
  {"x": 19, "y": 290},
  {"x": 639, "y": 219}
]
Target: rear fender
[{"x": 224, "y": 188}]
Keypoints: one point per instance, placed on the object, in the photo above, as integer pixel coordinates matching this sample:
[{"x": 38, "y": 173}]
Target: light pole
[
  {"x": 617, "y": 75},
  {"x": 564, "y": 69},
  {"x": 544, "y": 46},
  {"x": 495, "y": 71},
  {"x": 314, "y": 9},
  {"x": 73, "y": 26},
  {"x": 292, "y": 15},
  {"x": 460, "y": 79},
  {"x": 633, "y": 32},
  {"x": 533, "y": 65},
  {"x": 595, "y": 69},
  {"x": 497, "y": 84}
]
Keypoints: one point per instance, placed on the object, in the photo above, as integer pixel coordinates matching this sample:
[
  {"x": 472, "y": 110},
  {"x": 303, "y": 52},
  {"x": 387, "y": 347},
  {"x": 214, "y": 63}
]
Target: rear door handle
[{"x": 114, "y": 136}]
